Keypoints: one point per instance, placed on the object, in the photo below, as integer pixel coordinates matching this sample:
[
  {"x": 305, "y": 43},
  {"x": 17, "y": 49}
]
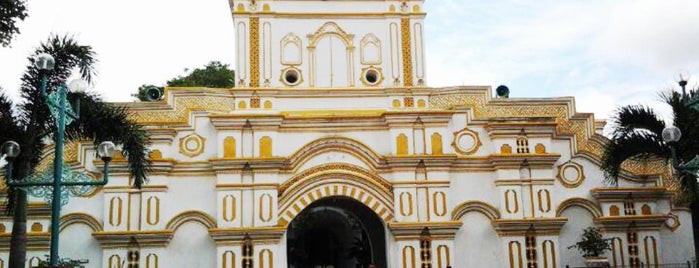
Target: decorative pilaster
[
  {"x": 406, "y": 49},
  {"x": 254, "y": 52}
]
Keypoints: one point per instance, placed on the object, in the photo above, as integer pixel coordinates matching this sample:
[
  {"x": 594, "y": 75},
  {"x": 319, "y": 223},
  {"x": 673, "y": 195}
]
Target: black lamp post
[{"x": 672, "y": 134}]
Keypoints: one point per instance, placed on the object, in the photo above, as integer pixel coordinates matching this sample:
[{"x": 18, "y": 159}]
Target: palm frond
[
  {"x": 634, "y": 118},
  {"x": 101, "y": 121},
  {"x": 8, "y": 122},
  {"x": 635, "y": 146},
  {"x": 69, "y": 55}
]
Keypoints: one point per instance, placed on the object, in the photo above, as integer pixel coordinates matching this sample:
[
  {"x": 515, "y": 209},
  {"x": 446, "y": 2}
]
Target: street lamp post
[
  {"x": 63, "y": 115},
  {"x": 682, "y": 79},
  {"x": 672, "y": 134}
]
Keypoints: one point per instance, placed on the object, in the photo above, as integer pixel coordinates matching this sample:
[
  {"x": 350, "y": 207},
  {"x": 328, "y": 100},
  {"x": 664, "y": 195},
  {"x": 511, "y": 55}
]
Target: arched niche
[
  {"x": 340, "y": 59},
  {"x": 370, "y": 50}
]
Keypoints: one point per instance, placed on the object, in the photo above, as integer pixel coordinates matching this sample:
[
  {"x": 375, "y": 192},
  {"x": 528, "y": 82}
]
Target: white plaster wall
[
  {"x": 578, "y": 219},
  {"x": 290, "y": 142},
  {"x": 476, "y": 244},
  {"x": 191, "y": 246},
  {"x": 320, "y": 103},
  {"x": 678, "y": 245},
  {"x": 199, "y": 193},
  {"x": 472, "y": 187},
  {"x": 88, "y": 205},
  {"x": 76, "y": 242},
  {"x": 487, "y": 147}
]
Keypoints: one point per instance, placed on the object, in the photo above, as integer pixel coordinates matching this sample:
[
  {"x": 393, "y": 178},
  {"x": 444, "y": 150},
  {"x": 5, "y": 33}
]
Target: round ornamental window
[
  {"x": 291, "y": 76},
  {"x": 371, "y": 76}
]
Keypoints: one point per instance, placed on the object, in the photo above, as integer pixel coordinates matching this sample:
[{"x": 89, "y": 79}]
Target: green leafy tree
[
  {"x": 214, "y": 74},
  {"x": 591, "y": 243},
  {"x": 637, "y": 135},
  {"x": 28, "y": 122},
  {"x": 10, "y": 12}
]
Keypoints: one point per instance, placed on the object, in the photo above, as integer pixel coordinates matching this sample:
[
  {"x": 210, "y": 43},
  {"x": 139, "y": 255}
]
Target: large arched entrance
[{"x": 337, "y": 232}]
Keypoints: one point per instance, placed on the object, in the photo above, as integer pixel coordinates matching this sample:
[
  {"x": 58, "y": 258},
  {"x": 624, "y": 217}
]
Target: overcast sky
[{"x": 606, "y": 53}]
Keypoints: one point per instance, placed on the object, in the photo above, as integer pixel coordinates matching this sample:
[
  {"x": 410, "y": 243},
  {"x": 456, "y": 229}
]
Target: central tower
[{"x": 329, "y": 44}]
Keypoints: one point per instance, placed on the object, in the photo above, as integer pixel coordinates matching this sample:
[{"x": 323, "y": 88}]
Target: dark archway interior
[{"x": 336, "y": 232}]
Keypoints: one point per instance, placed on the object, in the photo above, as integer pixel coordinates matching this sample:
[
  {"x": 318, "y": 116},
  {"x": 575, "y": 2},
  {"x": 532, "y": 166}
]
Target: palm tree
[
  {"x": 637, "y": 135},
  {"x": 28, "y": 122}
]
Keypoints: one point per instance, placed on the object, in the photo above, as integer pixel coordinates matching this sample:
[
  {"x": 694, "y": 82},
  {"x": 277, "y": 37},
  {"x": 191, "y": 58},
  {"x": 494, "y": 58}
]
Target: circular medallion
[
  {"x": 672, "y": 222},
  {"x": 571, "y": 174},
  {"x": 466, "y": 141},
  {"x": 192, "y": 145}
]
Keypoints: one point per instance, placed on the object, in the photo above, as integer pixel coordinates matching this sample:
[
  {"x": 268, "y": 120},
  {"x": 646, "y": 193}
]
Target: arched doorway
[{"x": 337, "y": 232}]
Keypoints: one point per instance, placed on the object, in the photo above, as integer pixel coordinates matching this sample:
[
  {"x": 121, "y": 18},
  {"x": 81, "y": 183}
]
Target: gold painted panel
[
  {"x": 613, "y": 210},
  {"x": 436, "y": 144},
  {"x": 265, "y": 147},
  {"x": 36, "y": 227},
  {"x": 402, "y": 145},
  {"x": 506, "y": 149},
  {"x": 229, "y": 147}
]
